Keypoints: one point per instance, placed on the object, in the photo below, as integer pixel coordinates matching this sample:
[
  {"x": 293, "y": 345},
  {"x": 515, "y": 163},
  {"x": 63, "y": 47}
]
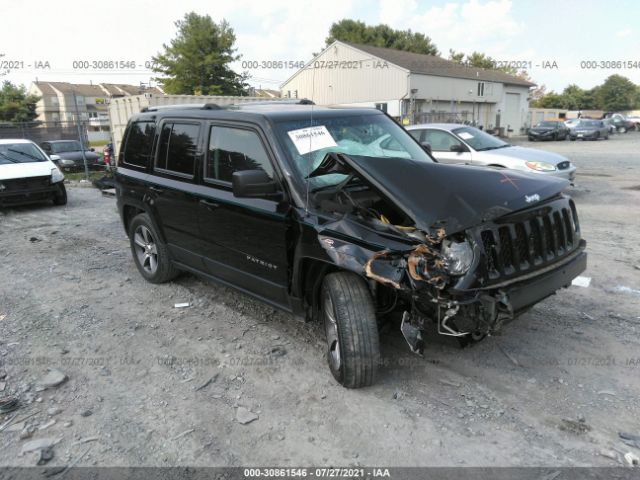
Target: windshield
[
  {"x": 70, "y": 146},
  {"x": 479, "y": 140},
  {"x": 20, "y": 153},
  {"x": 369, "y": 135},
  {"x": 546, "y": 124},
  {"x": 589, "y": 123}
]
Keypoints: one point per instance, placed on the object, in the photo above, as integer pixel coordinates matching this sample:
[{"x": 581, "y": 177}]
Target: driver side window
[{"x": 440, "y": 141}]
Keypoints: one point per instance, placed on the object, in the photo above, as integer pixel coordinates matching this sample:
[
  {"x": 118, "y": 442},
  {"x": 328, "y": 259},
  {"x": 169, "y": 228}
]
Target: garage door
[{"x": 512, "y": 113}]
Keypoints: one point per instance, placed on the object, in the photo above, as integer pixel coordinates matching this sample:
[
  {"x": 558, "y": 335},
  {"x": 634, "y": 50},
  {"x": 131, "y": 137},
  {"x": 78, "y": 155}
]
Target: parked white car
[
  {"x": 28, "y": 175},
  {"x": 456, "y": 143},
  {"x": 572, "y": 123}
]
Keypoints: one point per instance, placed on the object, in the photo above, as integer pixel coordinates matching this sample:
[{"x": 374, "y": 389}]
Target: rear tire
[
  {"x": 348, "y": 312},
  {"x": 150, "y": 254},
  {"x": 60, "y": 198}
]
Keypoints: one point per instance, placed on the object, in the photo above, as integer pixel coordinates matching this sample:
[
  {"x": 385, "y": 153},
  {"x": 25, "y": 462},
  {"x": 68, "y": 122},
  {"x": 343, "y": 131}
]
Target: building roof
[
  {"x": 437, "y": 66},
  {"x": 45, "y": 88},
  {"x": 123, "y": 89},
  {"x": 94, "y": 90},
  {"x": 266, "y": 93},
  {"x": 86, "y": 90}
]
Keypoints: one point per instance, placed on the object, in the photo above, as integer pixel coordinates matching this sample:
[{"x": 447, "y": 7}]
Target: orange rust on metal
[
  {"x": 376, "y": 277},
  {"x": 414, "y": 259}
]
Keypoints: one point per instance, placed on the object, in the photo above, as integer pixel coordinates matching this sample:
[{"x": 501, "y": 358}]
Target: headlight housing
[
  {"x": 56, "y": 175},
  {"x": 457, "y": 256},
  {"x": 541, "y": 166}
]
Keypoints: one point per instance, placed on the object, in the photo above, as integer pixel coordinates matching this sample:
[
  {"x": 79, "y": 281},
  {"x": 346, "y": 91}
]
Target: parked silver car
[{"x": 456, "y": 143}]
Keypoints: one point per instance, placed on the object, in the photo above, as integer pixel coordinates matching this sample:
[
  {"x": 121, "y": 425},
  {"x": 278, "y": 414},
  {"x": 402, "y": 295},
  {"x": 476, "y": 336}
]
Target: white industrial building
[{"x": 413, "y": 88}]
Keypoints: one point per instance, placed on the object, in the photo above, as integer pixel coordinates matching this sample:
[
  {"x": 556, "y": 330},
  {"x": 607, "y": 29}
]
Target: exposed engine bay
[{"x": 441, "y": 278}]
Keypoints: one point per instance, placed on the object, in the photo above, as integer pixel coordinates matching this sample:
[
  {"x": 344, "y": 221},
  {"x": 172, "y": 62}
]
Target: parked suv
[{"x": 298, "y": 206}]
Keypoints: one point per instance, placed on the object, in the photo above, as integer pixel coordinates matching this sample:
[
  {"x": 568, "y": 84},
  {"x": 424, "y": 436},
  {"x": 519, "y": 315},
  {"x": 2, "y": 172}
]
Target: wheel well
[
  {"x": 312, "y": 273},
  {"x": 128, "y": 213}
]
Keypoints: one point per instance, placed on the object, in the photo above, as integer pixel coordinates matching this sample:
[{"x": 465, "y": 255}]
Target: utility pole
[{"x": 81, "y": 136}]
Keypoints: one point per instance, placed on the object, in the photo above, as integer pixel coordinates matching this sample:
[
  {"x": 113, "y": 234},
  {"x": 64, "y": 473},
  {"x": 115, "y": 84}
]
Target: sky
[{"x": 43, "y": 39}]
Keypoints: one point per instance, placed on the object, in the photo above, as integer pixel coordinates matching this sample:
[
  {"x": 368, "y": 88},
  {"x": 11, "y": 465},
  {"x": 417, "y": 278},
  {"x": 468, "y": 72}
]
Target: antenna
[{"x": 313, "y": 95}]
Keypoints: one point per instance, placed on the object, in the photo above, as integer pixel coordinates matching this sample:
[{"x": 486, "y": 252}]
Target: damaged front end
[{"x": 472, "y": 261}]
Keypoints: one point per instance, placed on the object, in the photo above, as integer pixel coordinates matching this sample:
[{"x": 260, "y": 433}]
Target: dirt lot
[{"x": 150, "y": 384}]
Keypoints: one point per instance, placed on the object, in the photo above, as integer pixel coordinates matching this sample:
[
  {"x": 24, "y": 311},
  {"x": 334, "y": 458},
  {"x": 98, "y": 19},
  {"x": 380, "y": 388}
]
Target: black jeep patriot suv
[{"x": 339, "y": 215}]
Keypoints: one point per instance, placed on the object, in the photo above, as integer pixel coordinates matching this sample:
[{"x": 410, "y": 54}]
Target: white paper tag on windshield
[
  {"x": 311, "y": 139},
  {"x": 465, "y": 135}
]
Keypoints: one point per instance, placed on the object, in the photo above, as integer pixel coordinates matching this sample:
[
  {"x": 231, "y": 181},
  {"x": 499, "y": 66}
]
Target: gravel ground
[{"x": 150, "y": 384}]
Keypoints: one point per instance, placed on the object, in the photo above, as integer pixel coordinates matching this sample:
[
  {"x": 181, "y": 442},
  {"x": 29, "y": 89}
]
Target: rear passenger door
[
  {"x": 244, "y": 238},
  {"x": 171, "y": 192}
]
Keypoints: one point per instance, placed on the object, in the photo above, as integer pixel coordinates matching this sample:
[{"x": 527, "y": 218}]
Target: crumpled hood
[
  {"x": 455, "y": 197},
  {"x": 25, "y": 170},
  {"x": 527, "y": 154}
]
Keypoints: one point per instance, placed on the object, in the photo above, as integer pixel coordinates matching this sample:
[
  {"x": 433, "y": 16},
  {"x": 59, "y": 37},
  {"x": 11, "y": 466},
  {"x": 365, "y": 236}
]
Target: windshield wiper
[
  {"x": 12, "y": 160},
  {"x": 493, "y": 148},
  {"x": 25, "y": 154}
]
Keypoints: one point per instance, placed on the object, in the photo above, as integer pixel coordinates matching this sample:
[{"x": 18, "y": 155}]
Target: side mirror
[
  {"x": 427, "y": 147},
  {"x": 55, "y": 159},
  {"x": 458, "y": 148},
  {"x": 254, "y": 184}
]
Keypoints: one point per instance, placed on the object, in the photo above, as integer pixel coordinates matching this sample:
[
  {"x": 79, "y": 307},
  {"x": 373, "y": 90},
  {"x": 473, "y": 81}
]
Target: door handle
[
  {"x": 156, "y": 189},
  {"x": 208, "y": 204}
]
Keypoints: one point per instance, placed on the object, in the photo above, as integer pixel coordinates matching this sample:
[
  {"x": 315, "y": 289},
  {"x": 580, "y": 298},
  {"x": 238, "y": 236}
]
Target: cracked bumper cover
[{"x": 525, "y": 293}]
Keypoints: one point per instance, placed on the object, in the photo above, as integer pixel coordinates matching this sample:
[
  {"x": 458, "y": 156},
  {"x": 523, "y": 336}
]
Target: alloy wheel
[
  {"x": 331, "y": 329},
  {"x": 146, "y": 249}
]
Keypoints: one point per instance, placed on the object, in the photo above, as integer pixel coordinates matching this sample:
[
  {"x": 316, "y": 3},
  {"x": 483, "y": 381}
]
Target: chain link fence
[{"x": 42, "y": 131}]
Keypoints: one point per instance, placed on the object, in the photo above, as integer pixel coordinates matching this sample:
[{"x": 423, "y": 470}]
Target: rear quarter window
[
  {"x": 137, "y": 150},
  {"x": 177, "y": 148}
]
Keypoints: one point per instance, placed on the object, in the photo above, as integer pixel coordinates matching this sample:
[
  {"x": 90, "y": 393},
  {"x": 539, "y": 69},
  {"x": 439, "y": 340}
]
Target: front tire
[
  {"x": 353, "y": 347},
  {"x": 150, "y": 254},
  {"x": 60, "y": 197}
]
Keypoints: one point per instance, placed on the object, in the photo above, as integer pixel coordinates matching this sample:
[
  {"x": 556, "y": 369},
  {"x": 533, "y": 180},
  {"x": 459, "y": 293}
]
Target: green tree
[
  {"x": 196, "y": 62},
  {"x": 548, "y": 100},
  {"x": 355, "y": 31},
  {"x": 573, "y": 97},
  {"x": 618, "y": 93},
  {"x": 15, "y": 104}
]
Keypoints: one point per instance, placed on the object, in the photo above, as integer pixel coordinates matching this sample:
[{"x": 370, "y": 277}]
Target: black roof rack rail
[
  {"x": 284, "y": 101},
  {"x": 184, "y": 106}
]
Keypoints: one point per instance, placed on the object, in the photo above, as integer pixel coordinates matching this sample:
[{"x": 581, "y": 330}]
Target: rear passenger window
[
  {"x": 177, "y": 147},
  {"x": 234, "y": 150},
  {"x": 417, "y": 134},
  {"x": 139, "y": 143}
]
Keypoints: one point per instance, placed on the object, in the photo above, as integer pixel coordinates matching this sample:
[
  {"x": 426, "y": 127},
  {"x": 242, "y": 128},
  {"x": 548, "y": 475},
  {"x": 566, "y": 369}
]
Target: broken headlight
[{"x": 457, "y": 256}]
